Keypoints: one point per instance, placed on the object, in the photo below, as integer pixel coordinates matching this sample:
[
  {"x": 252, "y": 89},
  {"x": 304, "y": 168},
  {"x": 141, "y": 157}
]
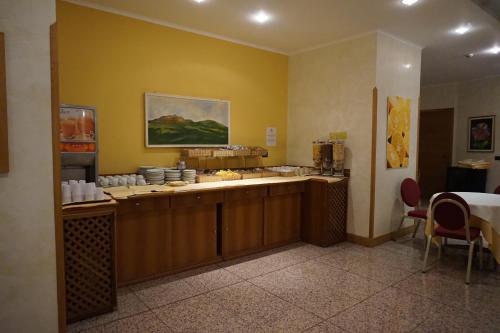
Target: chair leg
[
  {"x": 440, "y": 249},
  {"x": 469, "y": 261},
  {"x": 417, "y": 222},
  {"x": 480, "y": 253},
  {"x": 427, "y": 249}
]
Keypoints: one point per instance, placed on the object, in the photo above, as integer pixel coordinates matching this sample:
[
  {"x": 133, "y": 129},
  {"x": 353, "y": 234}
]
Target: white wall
[
  {"x": 472, "y": 98},
  {"x": 330, "y": 90},
  {"x": 27, "y": 246},
  {"x": 394, "y": 79}
]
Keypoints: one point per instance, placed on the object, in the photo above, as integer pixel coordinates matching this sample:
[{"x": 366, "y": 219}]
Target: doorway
[{"x": 435, "y": 149}]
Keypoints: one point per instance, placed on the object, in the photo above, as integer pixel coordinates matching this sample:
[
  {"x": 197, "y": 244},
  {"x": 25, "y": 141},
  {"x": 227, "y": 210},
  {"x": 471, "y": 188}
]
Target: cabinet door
[
  {"x": 282, "y": 219},
  {"x": 193, "y": 235},
  {"x": 141, "y": 250},
  {"x": 313, "y": 212},
  {"x": 243, "y": 226}
]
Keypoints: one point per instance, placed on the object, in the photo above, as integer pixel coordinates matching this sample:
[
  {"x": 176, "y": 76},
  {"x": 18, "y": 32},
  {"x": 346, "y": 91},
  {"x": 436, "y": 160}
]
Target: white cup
[
  {"x": 141, "y": 182},
  {"x": 66, "y": 193},
  {"x": 131, "y": 180},
  {"x": 104, "y": 182},
  {"x": 122, "y": 181},
  {"x": 99, "y": 193},
  {"x": 76, "y": 194}
]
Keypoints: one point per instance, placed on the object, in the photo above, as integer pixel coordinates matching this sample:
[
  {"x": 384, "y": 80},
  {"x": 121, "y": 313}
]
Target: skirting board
[{"x": 365, "y": 241}]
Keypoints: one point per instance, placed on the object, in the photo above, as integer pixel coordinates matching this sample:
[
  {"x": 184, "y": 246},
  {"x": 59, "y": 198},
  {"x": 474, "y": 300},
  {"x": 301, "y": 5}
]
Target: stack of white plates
[
  {"x": 155, "y": 176},
  {"x": 189, "y": 175},
  {"x": 142, "y": 169},
  {"x": 172, "y": 175}
]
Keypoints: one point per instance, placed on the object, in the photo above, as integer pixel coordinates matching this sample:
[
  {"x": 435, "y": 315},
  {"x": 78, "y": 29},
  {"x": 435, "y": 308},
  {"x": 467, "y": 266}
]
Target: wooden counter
[{"x": 179, "y": 228}]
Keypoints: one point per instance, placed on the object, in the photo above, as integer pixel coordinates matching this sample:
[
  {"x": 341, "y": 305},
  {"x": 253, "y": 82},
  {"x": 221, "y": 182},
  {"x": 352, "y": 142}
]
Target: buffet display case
[{"x": 78, "y": 137}]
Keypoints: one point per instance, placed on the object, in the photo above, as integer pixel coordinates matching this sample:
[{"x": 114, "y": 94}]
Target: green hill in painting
[{"x": 175, "y": 130}]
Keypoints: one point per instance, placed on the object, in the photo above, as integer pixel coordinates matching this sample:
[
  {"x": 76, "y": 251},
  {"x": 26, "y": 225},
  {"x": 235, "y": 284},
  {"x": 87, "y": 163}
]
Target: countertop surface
[{"x": 134, "y": 191}]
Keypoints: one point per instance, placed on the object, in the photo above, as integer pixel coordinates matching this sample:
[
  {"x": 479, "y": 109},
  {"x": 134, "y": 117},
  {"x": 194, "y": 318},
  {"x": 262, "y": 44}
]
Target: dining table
[{"x": 485, "y": 214}]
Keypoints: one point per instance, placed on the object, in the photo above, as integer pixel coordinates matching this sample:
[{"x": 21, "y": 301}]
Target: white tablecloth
[
  {"x": 485, "y": 214},
  {"x": 484, "y": 205}
]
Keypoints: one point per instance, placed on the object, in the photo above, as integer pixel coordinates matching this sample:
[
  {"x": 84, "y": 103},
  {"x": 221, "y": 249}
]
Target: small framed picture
[{"x": 481, "y": 134}]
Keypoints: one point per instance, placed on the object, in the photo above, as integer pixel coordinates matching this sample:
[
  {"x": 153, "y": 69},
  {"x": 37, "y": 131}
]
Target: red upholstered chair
[
  {"x": 450, "y": 215},
  {"x": 497, "y": 190},
  {"x": 410, "y": 193}
]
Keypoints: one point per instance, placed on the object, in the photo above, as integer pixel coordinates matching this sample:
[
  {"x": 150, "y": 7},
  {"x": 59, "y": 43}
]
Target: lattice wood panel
[
  {"x": 89, "y": 265},
  {"x": 337, "y": 212}
]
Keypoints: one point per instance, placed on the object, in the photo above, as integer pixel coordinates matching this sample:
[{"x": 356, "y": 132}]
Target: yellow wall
[{"x": 109, "y": 61}]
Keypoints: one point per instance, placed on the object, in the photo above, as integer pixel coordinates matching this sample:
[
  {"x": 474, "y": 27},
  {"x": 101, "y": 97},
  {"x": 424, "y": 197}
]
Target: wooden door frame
[
  {"x": 452, "y": 109},
  {"x": 56, "y": 167}
]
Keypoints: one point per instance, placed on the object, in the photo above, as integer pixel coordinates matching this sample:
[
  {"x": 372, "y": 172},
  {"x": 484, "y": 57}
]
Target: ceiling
[{"x": 299, "y": 25}]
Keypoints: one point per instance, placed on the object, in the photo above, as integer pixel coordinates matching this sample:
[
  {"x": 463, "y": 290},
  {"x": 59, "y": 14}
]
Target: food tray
[
  {"x": 208, "y": 178},
  {"x": 251, "y": 175}
]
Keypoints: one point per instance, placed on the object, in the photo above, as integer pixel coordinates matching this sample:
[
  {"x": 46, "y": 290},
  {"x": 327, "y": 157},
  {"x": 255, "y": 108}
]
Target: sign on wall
[{"x": 398, "y": 132}]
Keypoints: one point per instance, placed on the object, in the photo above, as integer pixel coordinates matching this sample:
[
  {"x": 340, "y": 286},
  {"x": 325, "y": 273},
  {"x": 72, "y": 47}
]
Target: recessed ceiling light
[
  {"x": 199, "y": 1},
  {"x": 463, "y": 29},
  {"x": 261, "y": 17},
  {"x": 409, "y": 2},
  {"x": 494, "y": 50},
  {"x": 407, "y": 66},
  {"x": 469, "y": 55}
]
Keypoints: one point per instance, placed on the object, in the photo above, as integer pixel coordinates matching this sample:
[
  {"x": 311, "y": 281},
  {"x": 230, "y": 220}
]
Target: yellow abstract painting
[{"x": 398, "y": 132}]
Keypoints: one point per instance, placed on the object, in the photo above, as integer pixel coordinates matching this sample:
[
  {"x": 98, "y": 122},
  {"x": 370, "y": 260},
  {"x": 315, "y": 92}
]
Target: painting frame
[
  {"x": 472, "y": 147},
  {"x": 147, "y": 106}
]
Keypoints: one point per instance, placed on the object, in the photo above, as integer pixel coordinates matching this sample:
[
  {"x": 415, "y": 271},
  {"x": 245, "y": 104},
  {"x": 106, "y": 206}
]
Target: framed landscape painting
[
  {"x": 481, "y": 134},
  {"x": 177, "y": 121}
]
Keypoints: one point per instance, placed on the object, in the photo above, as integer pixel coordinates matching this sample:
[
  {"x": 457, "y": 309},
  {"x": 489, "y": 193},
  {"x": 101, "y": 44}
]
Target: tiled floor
[{"x": 303, "y": 288}]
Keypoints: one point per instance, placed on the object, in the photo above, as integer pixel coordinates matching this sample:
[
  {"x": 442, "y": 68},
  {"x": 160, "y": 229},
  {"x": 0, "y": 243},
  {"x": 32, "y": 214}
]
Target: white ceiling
[{"x": 298, "y": 25}]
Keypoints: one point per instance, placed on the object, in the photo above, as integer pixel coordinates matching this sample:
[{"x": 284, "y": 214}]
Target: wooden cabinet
[
  {"x": 243, "y": 221},
  {"x": 141, "y": 239},
  {"x": 193, "y": 236},
  {"x": 193, "y": 229},
  {"x": 324, "y": 212},
  {"x": 282, "y": 209}
]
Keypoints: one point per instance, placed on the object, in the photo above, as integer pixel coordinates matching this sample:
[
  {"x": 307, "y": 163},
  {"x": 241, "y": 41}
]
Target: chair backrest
[
  {"x": 497, "y": 190},
  {"x": 451, "y": 211},
  {"x": 410, "y": 192}
]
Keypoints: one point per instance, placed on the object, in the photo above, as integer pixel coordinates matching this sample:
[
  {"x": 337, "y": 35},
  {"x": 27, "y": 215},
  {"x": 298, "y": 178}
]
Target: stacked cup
[
  {"x": 66, "y": 193},
  {"x": 90, "y": 190}
]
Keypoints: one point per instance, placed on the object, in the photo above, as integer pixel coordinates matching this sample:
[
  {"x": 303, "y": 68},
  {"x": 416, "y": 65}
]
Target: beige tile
[
  {"x": 251, "y": 268},
  {"x": 128, "y": 304},
  {"x": 165, "y": 291},
  {"x": 143, "y": 323},
  {"x": 452, "y": 319},
  {"x": 325, "y": 327},
  {"x": 209, "y": 278},
  {"x": 310, "y": 251},
  {"x": 357, "y": 286},
  {"x": 380, "y": 272},
  {"x": 305, "y": 293},
  {"x": 402, "y": 304},
  {"x": 201, "y": 314},
  {"x": 362, "y": 318},
  {"x": 255, "y": 305}
]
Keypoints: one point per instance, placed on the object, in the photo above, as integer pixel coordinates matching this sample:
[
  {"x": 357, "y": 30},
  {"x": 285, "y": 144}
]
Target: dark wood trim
[
  {"x": 4, "y": 136},
  {"x": 56, "y": 166},
  {"x": 373, "y": 161}
]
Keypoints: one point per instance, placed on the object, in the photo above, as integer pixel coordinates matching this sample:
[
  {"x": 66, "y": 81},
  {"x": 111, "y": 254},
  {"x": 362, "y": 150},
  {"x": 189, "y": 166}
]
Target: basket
[{"x": 208, "y": 178}]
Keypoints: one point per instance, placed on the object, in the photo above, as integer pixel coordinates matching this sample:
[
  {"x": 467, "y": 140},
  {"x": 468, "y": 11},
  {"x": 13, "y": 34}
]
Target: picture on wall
[
  {"x": 398, "y": 132},
  {"x": 481, "y": 134},
  {"x": 177, "y": 121}
]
